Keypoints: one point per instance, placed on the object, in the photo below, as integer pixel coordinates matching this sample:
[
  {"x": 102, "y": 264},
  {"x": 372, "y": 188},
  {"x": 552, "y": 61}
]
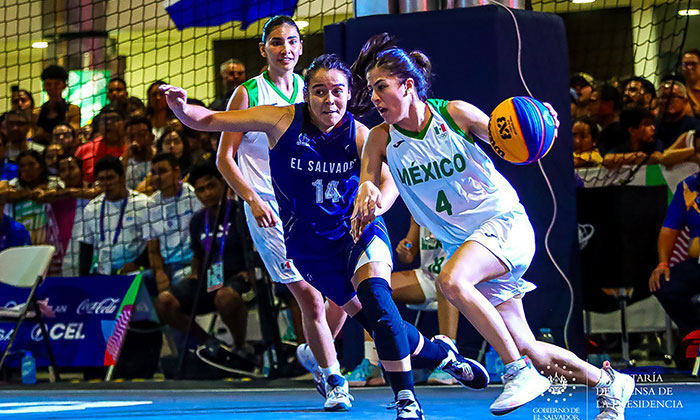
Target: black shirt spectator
[{"x": 201, "y": 229}]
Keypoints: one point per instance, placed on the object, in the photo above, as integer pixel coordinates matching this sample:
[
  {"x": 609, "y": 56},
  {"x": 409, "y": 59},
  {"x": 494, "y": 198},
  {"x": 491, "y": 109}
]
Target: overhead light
[
  {"x": 40, "y": 44},
  {"x": 301, "y": 24},
  {"x": 689, "y": 12},
  {"x": 582, "y": 1}
]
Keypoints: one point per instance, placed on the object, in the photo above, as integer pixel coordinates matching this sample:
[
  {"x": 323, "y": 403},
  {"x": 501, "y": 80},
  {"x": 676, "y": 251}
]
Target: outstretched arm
[
  {"x": 369, "y": 194},
  {"x": 264, "y": 118}
]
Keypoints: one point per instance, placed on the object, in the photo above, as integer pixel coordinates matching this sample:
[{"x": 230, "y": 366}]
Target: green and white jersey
[
  {"x": 432, "y": 256},
  {"x": 253, "y": 153},
  {"x": 448, "y": 183}
]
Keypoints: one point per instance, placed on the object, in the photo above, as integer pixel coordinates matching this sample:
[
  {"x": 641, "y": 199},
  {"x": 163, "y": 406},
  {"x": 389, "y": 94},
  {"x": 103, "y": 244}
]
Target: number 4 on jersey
[{"x": 443, "y": 204}]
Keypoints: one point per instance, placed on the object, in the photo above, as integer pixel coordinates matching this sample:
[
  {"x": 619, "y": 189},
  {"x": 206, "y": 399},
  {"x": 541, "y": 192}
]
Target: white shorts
[
  {"x": 511, "y": 239},
  {"x": 269, "y": 243},
  {"x": 426, "y": 281}
]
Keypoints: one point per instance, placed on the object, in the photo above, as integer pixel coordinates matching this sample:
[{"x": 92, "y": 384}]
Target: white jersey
[
  {"x": 448, "y": 183},
  {"x": 253, "y": 153}
]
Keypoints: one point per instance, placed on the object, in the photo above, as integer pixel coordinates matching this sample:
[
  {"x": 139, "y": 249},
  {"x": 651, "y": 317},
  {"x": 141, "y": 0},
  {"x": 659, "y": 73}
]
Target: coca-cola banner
[{"x": 81, "y": 317}]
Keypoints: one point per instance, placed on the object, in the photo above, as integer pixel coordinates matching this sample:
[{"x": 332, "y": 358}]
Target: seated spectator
[
  {"x": 232, "y": 73},
  {"x": 638, "y": 91},
  {"x": 65, "y": 135},
  {"x": 604, "y": 108},
  {"x": 23, "y": 101},
  {"x": 671, "y": 121},
  {"x": 135, "y": 107},
  {"x": 157, "y": 109},
  {"x": 52, "y": 154},
  {"x": 112, "y": 142},
  {"x": 675, "y": 286},
  {"x": 225, "y": 271},
  {"x": 582, "y": 85},
  {"x": 12, "y": 233},
  {"x": 199, "y": 142},
  {"x": 117, "y": 94},
  {"x": 637, "y": 146},
  {"x": 585, "y": 133},
  {"x": 112, "y": 224},
  {"x": 27, "y": 198},
  {"x": 175, "y": 142},
  {"x": 137, "y": 159},
  {"x": 56, "y": 109},
  {"x": 17, "y": 125},
  {"x": 690, "y": 67},
  {"x": 170, "y": 209},
  {"x": 68, "y": 207},
  {"x": 8, "y": 170}
]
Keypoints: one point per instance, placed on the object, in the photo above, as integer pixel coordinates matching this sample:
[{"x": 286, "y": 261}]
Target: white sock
[
  {"x": 333, "y": 369},
  {"x": 405, "y": 394},
  {"x": 371, "y": 353}
]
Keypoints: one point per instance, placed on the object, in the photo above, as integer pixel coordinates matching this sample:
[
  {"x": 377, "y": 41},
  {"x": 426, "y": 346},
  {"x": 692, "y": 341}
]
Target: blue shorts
[{"x": 332, "y": 274}]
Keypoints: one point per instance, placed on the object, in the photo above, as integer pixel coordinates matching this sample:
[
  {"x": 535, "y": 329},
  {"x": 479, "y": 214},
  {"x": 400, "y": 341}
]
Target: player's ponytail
[
  {"x": 361, "y": 100},
  {"x": 380, "y": 51}
]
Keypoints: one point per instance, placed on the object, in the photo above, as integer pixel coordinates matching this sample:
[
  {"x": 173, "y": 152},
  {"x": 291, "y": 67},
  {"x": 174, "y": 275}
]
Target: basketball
[{"x": 522, "y": 130}]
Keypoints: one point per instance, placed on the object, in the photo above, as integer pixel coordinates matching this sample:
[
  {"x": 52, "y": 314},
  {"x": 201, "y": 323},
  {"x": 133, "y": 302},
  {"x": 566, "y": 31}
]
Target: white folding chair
[{"x": 26, "y": 267}]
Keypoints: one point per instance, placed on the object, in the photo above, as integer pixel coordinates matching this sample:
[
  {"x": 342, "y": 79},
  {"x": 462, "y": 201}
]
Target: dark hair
[
  {"x": 608, "y": 93},
  {"x": 593, "y": 127},
  {"x": 134, "y": 101},
  {"x": 28, "y": 93},
  {"x": 326, "y": 62},
  {"x": 203, "y": 168},
  {"x": 75, "y": 158},
  {"x": 646, "y": 85},
  {"x": 19, "y": 113},
  {"x": 109, "y": 162},
  {"x": 168, "y": 157},
  {"x": 185, "y": 161},
  {"x": 117, "y": 79},
  {"x": 138, "y": 120},
  {"x": 3, "y": 140},
  {"x": 276, "y": 21},
  {"x": 55, "y": 72},
  {"x": 111, "y": 108},
  {"x": 44, "y": 174},
  {"x": 66, "y": 124},
  {"x": 694, "y": 51},
  {"x": 149, "y": 110},
  {"x": 381, "y": 51},
  {"x": 631, "y": 117}
]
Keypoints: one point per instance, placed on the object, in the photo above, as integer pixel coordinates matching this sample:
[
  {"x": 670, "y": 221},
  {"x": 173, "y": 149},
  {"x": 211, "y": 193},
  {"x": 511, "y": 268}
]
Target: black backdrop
[{"x": 474, "y": 56}]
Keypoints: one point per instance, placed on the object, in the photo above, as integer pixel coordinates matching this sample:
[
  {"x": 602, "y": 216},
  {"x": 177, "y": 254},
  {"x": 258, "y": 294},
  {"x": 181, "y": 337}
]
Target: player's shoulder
[{"x": 380, "y": 130}]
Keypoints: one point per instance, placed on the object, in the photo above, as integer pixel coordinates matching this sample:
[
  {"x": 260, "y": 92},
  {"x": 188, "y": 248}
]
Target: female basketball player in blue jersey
[
  {"x": 250, "y": 177},
  {"x": 314, "y": 162},
  {"x": 451, "y": 187}
]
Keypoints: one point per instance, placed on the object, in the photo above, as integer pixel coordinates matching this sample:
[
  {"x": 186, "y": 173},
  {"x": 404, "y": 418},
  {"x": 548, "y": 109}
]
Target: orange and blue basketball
[{"x": 522, "y": 130}]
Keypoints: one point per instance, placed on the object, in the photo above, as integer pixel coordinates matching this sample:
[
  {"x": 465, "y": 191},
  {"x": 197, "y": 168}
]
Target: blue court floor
[{"x": 652, "y": 401}]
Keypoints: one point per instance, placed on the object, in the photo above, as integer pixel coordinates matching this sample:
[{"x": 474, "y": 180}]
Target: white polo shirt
[
  {"x": 169, "y": 221},
  {"x": 117, "y": 239}
]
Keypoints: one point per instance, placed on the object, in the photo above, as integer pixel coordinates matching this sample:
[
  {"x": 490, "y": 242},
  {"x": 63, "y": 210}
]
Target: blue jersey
[
  {"x": 684, "y": 209},
  {"x": 315, "y": 177}
]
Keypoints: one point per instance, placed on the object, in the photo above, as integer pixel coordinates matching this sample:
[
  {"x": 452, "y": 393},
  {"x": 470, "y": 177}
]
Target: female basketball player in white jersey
[
  {"x": 451, "y": 187},
  {"x": 250, "y": 178}
]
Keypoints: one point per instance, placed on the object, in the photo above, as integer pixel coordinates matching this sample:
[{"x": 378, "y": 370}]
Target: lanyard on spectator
[
  {"x": 223, "y": 228},
  {"x": 118, "y": 230}
]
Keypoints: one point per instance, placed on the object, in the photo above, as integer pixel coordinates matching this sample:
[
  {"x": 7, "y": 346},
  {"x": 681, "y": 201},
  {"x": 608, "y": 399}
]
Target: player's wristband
[{"x": 662, "y": 264}]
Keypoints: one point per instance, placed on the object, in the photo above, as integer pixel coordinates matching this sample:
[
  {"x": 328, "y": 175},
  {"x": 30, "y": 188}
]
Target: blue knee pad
[{"x": 383, "y": 318}]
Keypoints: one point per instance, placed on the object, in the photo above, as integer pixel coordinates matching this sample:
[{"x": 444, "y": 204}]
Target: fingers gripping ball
[{"x": 522, "y": 129}]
